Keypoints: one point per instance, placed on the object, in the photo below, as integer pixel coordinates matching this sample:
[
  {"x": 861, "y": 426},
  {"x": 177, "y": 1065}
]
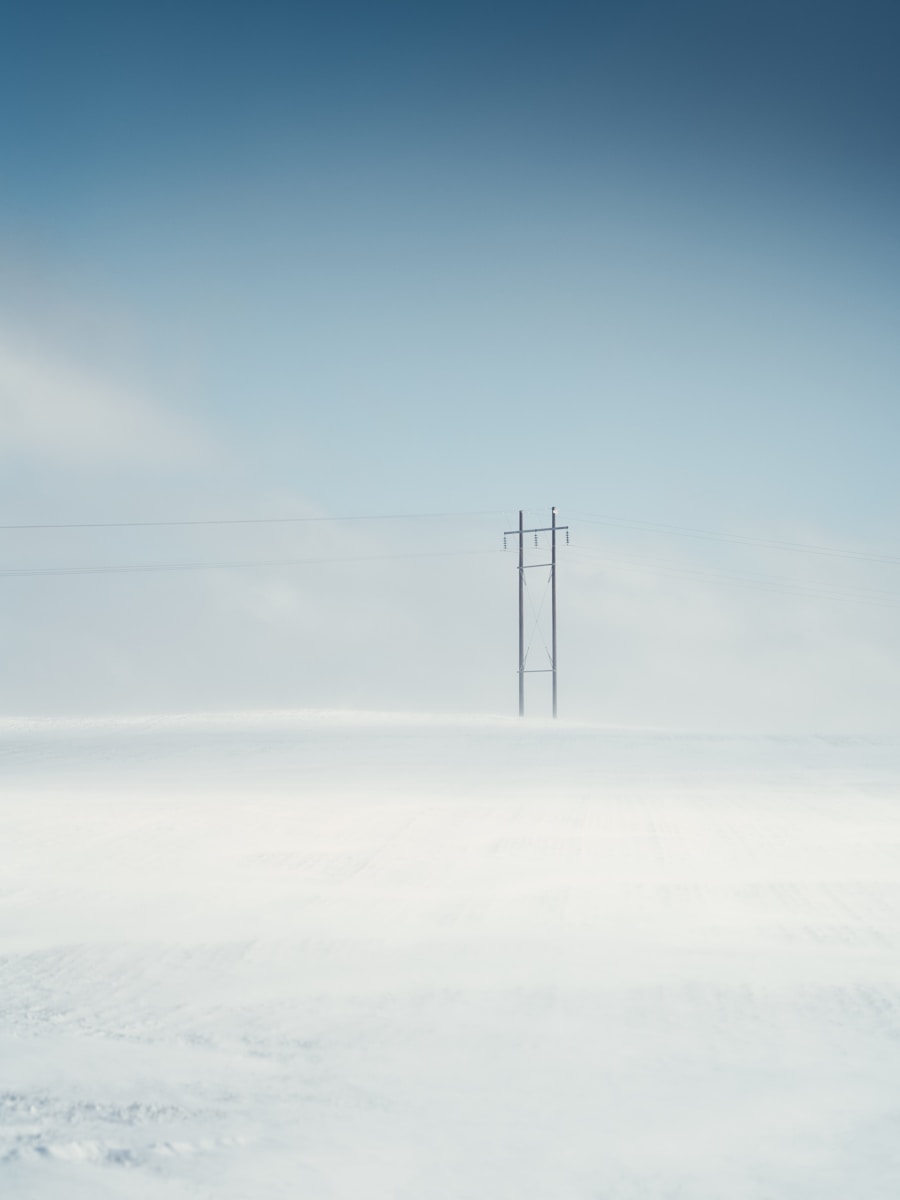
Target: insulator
[
  {"x": 567, "y": 537},
  {"x": 504, "y": 543},
  {"x": 535, "y": 540}
]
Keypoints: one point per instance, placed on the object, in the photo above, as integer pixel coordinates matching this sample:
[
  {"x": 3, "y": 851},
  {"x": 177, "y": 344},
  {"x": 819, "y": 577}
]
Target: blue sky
[{"x": 630, "y": 258}]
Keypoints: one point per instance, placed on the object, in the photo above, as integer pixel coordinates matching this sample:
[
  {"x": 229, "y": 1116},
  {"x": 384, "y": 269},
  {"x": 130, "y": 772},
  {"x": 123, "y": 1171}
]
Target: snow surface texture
[{"x": 318, "y": 956}]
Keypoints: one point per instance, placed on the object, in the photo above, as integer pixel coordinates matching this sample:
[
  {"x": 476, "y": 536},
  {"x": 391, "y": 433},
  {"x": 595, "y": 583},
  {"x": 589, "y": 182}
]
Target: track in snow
[{"x": 331, "y": 957}]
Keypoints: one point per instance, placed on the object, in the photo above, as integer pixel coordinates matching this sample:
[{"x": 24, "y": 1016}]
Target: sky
[{"x": 639, "y": 260}]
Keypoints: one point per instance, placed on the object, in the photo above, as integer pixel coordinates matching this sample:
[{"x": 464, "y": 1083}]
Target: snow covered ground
[{"x": 325, "y": 956}]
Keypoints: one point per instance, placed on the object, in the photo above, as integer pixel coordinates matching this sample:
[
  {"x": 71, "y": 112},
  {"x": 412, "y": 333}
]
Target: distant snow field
[{"x": 338, "y": 957}]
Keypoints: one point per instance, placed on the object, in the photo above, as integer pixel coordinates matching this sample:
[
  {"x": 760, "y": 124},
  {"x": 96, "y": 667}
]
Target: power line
[
  {"x": 882, "y": 598},
  {"x": 140, "y": 568},
  {"x": 252, "y": 521},
  {"x": 737, "y": 538},
  {"x": 866, "y": 595},
  {"x": 588, "y": 518}
]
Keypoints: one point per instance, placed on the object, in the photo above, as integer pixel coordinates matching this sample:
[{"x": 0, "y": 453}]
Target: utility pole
[
  {"x": 521, "y": 616},
  {"x": 553, "y": 600},
  {"x": 552, "y": 529}
]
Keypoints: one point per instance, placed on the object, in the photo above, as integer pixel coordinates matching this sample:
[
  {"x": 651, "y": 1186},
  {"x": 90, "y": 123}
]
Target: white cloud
[{"x": 55, "y": 409}]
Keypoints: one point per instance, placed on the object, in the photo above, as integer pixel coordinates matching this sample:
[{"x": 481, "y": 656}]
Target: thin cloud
[{"x": 57, "y": 410}]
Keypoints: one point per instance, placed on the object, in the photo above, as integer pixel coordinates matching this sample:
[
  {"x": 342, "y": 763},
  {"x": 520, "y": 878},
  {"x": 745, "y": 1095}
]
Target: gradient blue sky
[{"x": 631, "y": 258}]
